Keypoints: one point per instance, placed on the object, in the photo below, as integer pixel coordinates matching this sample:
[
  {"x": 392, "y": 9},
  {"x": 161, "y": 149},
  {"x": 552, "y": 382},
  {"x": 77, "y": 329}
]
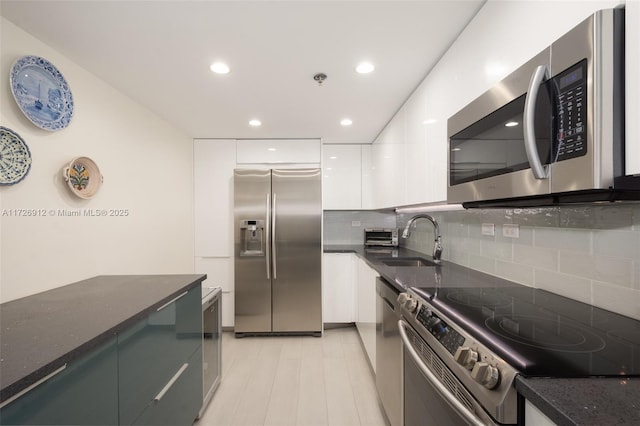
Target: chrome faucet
[{"x": 437, "y": 248}]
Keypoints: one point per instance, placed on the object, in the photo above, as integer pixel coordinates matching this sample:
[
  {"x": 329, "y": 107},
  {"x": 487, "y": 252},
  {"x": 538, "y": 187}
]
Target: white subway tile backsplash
[
  {"x": 519, "y": 273},
  {"x": 622, "y": 300},
  {"x": 600, "y": 268},
  {"x": 538, "y": 257},
  {"x": 482, "y": 264},
  {"x": 578, "y": 240},
  {"x": 622, "y": 244},
  {"x": 497, "y": 249},
  {"x": 587, "y": 253},
  {"x": 566, "y": 285}
]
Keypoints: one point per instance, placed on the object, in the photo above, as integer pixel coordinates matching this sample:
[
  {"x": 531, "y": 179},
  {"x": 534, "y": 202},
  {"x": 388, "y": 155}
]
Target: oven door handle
[{"x": 467, "y": 414}]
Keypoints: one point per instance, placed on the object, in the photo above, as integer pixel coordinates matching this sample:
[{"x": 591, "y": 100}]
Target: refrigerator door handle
[
  {"x": 273, "y": 238},
  {"x": 267, "y": 258}
]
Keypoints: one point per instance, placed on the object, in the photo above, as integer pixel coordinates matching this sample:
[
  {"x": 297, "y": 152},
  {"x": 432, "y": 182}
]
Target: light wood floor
[{"x": 295, "y": 381}]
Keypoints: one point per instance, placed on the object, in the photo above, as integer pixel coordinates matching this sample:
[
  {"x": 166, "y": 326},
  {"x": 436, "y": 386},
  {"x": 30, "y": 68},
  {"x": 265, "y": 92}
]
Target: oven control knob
[
  {"x": 411, "y": 305},
  {"x": 466, "y": 357},
  {"x": 402, "y": 298},
  {"x": 485, "y": 374}
]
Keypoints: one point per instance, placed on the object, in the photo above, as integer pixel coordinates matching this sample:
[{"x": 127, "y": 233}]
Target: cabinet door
[
  {"x": 389, "y": 167},
  {"x": 366, "y": 311},
  {"x": 341, "y": 177},
  {"x": 84, "y": 393},
  {"x": 283, "y": 151},
  {"x": 338, "y": 288},
  {"x": 181, "y": 396},
  {"x": 220, "y": 273},
  {"x": 213, "y": 164},
  {"x": 154, "y": 350}
]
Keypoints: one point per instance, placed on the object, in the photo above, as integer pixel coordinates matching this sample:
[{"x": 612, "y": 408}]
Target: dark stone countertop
[
  {"x": 44, "y": 331},
  {"x": 597, "y": 401},
  {"x": 403, "y": 278},
  {"x": 584, "y": 401}
]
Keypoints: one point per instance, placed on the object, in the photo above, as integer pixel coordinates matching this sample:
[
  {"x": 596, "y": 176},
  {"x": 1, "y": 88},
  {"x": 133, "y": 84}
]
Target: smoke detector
[{"x": 320, "y": 78}]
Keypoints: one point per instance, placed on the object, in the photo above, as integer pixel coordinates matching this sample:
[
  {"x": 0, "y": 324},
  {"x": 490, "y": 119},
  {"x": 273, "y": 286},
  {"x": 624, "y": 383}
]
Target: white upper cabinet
[
  {"x": 304, "y": 152},
  {"x": 213, "y": 164},
  {"x": 409, "y": 157},
  {"x": 367, "y": 176},
  {"x": 388, "y": 168},
  {"x": 341, "y": 177}
]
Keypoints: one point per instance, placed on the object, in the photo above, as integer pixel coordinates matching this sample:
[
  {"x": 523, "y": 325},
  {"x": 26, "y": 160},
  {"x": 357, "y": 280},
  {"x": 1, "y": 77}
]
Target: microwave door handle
[
  {"x": 469, "y": 416},
  {"x": 530, "y": 145}
]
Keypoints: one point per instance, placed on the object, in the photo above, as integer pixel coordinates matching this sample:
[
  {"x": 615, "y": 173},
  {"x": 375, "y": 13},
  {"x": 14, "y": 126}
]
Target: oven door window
[{"x": 494, "y": 145}]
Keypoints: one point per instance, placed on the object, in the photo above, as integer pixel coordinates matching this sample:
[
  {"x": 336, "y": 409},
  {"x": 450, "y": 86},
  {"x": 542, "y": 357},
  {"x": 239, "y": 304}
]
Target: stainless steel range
[{"x": 464, "y": 347}]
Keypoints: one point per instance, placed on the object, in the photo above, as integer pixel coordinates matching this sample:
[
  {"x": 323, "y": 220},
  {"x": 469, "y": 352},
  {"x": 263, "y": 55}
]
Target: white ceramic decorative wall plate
[
  {"x": 83, "y": 177},
  {"x": 41, "y": 92},
  {"x": 15, "y": 157}
]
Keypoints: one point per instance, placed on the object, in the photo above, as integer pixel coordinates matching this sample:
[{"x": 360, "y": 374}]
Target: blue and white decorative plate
[
  {"x": 41, "y": 92},
  {"x": 15, "y": 158}
]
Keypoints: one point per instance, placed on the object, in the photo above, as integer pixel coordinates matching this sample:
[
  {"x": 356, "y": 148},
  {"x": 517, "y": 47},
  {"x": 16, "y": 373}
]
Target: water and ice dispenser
[{"x": 252, "y": 238}]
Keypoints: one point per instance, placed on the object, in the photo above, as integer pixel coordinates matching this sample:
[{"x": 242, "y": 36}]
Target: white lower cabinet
[
  {"x": 366, "y": 308},
  {"x": 533, "y": 416},
  {"x": 219, "y": 272},
  {"x": 338, "y": 287}
]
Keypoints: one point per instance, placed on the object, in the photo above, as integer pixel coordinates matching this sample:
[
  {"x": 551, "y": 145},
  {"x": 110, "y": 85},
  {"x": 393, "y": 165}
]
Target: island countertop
[{"x": 44, "y": 331}]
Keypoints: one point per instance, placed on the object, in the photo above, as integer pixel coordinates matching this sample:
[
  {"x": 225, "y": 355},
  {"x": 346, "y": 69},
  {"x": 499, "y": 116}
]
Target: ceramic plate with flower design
[
  {"x": 15, "y": 157},
  {"x": 83, "y": 177}
]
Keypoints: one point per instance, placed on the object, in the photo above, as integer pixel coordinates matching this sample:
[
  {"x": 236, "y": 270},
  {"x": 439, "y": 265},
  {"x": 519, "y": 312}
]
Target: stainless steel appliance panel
[
  {"x": 296, "y": 250},
  {"x": 592, "y": 39},
  {"x": 211, "y": 344},
  {"x": 487, "y": 154},
  {"x": 565, "y": 109},
  {"x": 252, "y": 198},
  {"x": 278, "y": 251},
  {"x": 388, "y": 351}
]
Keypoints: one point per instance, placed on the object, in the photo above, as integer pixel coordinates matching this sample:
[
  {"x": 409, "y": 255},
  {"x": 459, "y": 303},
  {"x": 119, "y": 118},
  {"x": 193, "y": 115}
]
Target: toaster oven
[{"x": 381, "y": 237}]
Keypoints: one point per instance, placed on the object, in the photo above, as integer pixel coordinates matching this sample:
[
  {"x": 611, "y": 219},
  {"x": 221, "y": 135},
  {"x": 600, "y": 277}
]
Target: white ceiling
[{"x": 159, "y": 53}]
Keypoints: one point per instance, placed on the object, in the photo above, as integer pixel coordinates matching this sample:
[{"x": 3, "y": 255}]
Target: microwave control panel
[{"x": 571, "y": 113}]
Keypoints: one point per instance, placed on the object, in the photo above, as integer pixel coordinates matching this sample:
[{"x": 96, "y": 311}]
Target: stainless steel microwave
[{"x": 551, "y": 131}]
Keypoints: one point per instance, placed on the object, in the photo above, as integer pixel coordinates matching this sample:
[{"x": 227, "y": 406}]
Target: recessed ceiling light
[
  {"x": 272, "y": 149},
  {"x": 511, "y": 124},
  {"x": 346, "y": 122},
  {"x": 255, "y": 123},
  {"x": 333, "y": 157},
  {"x": 220, "y": 68},
  {"x": 365, "y": 68},
  {"x": 429, "y": 121}
]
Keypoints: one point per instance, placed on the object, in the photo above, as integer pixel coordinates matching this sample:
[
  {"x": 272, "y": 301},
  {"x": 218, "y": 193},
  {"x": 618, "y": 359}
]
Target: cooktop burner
[
  {"x": 540, "y": 333},
  {"x": 490, "y": 298},
  {"x": 549, "y": 334}
]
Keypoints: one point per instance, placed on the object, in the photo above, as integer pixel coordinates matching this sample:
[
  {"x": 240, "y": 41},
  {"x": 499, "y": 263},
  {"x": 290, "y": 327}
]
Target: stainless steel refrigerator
[{"x": 278, "y": 251}]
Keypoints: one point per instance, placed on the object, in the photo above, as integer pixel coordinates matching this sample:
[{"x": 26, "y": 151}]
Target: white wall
[{"x": 147, "y": 168}]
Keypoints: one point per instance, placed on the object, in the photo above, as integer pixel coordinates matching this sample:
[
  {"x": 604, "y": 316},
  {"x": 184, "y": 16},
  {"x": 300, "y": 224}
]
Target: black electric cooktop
[{"x": 540, "y": 333}]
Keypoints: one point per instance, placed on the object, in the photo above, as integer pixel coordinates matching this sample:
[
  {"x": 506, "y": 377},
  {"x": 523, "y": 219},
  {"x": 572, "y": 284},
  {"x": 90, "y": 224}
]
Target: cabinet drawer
[
  {"x": 183, "y": 397},
  {"x": 84, "y": 393},
  {"x": 152, "y": 351}
]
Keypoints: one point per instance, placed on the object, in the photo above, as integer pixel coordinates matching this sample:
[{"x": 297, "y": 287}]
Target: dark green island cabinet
[
  {"x": 85, "y": 392},
  {"x": 143, "y": 367}
]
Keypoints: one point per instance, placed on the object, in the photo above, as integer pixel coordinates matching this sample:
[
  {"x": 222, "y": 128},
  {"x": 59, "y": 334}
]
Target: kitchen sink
[{"x": 406, "y": 261}]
